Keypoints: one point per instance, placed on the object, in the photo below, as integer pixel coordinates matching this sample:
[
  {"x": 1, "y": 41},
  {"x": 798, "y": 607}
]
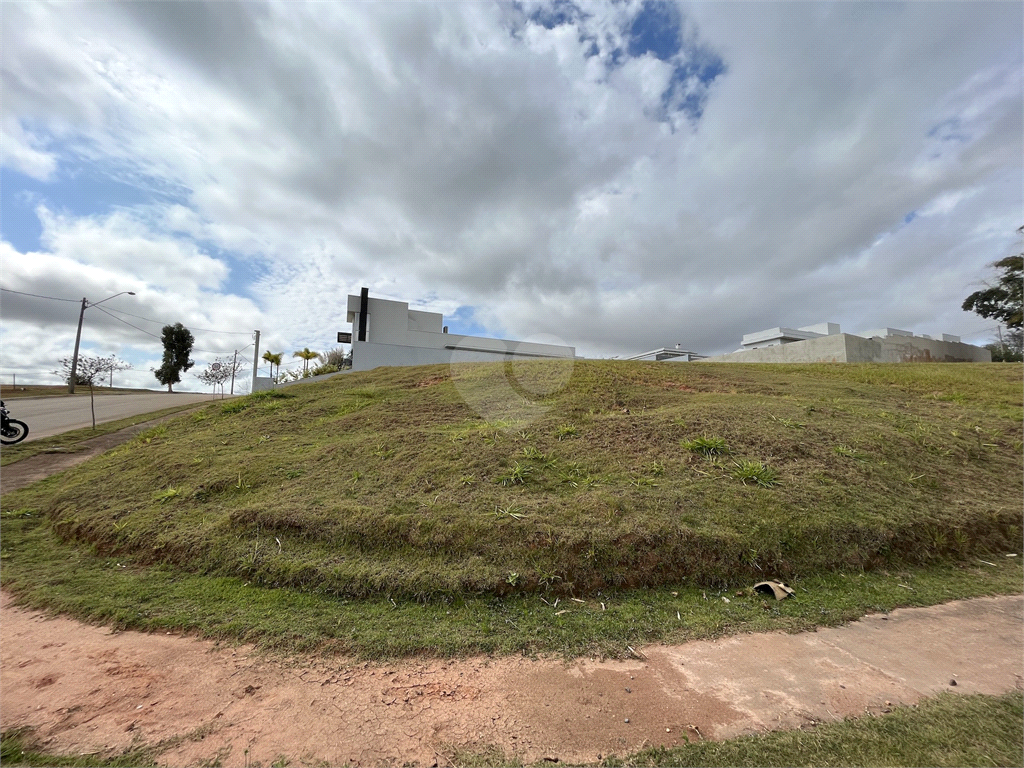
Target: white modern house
[
  {"x": 668, "y": 355},
  {"x": 388, "y": 333},
  {"x": 825, "y": 343},
  {"x": 773, "y": 337}
]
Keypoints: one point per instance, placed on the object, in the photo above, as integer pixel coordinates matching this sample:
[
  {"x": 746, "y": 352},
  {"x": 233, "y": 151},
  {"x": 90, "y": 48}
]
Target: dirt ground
[{"x": 84, "y": 689}]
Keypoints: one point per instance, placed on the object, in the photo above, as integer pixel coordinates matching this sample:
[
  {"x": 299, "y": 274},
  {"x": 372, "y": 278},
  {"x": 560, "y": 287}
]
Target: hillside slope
[{"x": 491, "y": 479}]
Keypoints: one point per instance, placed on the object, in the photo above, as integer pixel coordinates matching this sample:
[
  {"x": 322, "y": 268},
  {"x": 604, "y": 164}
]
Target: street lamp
[{"x": 78, "y": 338}]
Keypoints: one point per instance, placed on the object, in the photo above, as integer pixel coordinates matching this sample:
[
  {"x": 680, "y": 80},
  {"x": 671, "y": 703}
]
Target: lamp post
[{"x": 78, "y": 337}]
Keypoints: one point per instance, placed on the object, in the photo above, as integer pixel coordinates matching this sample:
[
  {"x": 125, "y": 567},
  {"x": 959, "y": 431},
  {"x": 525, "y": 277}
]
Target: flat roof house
[
  {"x": 388, "y": 333},
  {"x": 825, "y": 343}
]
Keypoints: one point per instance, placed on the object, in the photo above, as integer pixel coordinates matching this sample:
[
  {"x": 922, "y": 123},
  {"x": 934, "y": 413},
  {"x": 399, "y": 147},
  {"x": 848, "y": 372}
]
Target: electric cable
[
  {"x": 38, "y": 296},
  {"x": 157, "y": 322},
  {"x": 115, "y": 317},
  {"x": 121, "y": 312}
]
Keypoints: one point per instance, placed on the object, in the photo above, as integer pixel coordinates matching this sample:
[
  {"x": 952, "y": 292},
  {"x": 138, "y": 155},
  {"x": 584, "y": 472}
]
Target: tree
[
  {"x": 1010, "y": 349},
  {"x": 1003, "y": 301},
  {"x": 215, "y": 374},
  {"x": 235, "y": 366},
  {"x": 220, "y": 371},
  {"x": 335, "y": 357},
  {"x": 113, "y": 366},
  {"x": 306, "y": 354},
  {"x": 89, "y": 371},
  {"x": 178, "y": 341},
  {"x": 274, "y": 358}
]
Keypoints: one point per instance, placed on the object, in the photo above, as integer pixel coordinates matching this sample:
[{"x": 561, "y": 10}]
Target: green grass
[
  {"x": 18, "y": 748},
  {"x": 707, "y": 446},
  {"x": 388, "y": 485},
  {"x": 43, "y": 572},
  {"x": 71, "y": 442},
  {"x": 755, "y": 473},
  {"x": 948, "y": 730}
]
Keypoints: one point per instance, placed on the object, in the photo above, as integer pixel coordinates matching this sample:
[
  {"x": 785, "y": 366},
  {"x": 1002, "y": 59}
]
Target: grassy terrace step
[{"x": 392, "y": 484}]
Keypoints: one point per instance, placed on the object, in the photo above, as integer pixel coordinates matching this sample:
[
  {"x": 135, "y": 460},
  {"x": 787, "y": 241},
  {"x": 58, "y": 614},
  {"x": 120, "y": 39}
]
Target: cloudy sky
[{"x": 622, "y": 175}]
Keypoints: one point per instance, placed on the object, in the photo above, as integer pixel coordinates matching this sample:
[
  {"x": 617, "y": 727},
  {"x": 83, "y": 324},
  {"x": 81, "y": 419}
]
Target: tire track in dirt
[{"x": 85, "y": 689}]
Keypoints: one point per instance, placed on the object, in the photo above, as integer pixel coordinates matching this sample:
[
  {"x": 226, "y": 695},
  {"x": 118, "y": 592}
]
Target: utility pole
[
  {"x": 1002, "y": 346},
  {"x": 255, "y": 358},
  {"x": 234, "y": 366},
  {"x": 78, "y": 337},
  {"x": 78, "y": 340}
]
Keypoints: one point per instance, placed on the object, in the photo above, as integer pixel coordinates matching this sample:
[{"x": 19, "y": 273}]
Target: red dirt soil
[{"x": 84, "y": 689}]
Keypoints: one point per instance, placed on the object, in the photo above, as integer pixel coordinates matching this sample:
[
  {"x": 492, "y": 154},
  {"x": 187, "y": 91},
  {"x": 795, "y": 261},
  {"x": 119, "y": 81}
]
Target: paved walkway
[{"x": 48, "y": 416}]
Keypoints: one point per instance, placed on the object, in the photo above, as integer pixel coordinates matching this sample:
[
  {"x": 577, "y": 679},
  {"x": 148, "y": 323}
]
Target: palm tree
[
  {"x": 306, "y": 354},
  {"x": 274, "y": 358}
]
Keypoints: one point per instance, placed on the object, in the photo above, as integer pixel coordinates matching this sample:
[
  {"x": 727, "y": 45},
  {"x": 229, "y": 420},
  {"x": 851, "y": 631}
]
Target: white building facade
[
  {"x": 825, "y": 343},
  {"x": 388, "y": 333}
]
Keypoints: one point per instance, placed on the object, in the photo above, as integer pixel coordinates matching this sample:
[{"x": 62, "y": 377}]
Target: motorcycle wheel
[{"x": 15, "y": 432}]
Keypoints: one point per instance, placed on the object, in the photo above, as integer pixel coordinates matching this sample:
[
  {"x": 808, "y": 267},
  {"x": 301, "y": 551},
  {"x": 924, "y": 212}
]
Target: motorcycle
[{"x": 11, "y": 430}]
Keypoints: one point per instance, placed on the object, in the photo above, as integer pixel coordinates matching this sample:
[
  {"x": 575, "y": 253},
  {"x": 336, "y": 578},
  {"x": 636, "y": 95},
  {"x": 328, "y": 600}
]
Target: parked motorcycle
[{"x": 11, "y": 430}]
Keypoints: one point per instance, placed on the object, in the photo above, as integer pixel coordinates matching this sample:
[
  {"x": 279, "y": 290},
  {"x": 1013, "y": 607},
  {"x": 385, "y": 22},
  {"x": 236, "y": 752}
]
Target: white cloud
[
  {"x": 19, "y": 153},
  {"x": 98, "y": 257},
  {"x": 462, "y": 152}
]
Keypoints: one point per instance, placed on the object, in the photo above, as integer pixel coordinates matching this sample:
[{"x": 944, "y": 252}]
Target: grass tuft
[
  {"x": 755, "y": 473},
  {"x": 707, "y": 446},
  {"x": 565, "y": 431},
  {"x": 517, "y": 474}
]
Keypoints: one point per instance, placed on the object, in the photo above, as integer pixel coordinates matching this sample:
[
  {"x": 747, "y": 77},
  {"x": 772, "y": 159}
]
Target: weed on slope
[{"x": 389, "y": 483}]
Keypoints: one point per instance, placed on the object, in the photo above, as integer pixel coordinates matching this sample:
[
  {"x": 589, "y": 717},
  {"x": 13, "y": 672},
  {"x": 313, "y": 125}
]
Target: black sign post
[{"x": 344, "y": 338}]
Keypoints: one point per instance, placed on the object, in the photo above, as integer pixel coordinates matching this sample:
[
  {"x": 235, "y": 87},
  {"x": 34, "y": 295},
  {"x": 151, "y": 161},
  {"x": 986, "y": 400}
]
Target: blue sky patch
[
  {"x": 462, "y": 321},
  {"x": 85, "y": 193},
  {"x": 19, "y": 224},
  {"x": 558, "y": 13},
  {"x": 656, "y": 29}
]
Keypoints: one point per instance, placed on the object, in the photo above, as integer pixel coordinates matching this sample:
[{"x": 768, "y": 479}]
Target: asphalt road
[{"x": 48, "y": 416}]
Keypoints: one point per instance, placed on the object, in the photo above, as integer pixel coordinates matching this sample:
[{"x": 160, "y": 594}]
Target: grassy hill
[{"x": 425, "y": 482}]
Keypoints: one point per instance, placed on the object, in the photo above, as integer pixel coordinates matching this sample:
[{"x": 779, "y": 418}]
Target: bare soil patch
[{"x": 84, "y": 689}]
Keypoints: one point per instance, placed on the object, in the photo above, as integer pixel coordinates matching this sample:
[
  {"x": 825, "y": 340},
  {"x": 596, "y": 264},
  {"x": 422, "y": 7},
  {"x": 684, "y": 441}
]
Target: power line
[
  {"x": 36, "y": 295},
  {"x": 122, "y": 312},
  {"x": 157, "y": 322},
  {"x": 104, "y": 311}
]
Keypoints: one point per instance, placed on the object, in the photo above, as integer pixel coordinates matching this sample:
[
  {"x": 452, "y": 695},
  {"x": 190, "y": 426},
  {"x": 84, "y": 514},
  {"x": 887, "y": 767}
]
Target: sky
[{"x": 619, "y": 175}]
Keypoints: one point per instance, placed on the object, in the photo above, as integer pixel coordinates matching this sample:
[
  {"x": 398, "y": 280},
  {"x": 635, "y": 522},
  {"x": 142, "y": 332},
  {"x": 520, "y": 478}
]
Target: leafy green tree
[
  {"x": 178, "y": 341},
  {"x": 306, "y": 354},
  {"x": 1010, "y": 349},
  {"x": 1003, "y": 301}
]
